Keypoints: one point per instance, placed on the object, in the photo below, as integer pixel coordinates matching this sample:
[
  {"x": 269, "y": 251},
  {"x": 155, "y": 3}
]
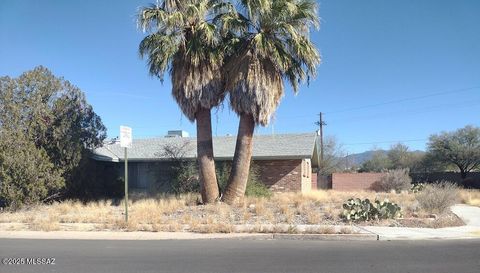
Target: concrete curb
[
  {"x": 326, "y": 237},
  {"x": 72, "y": 235}
]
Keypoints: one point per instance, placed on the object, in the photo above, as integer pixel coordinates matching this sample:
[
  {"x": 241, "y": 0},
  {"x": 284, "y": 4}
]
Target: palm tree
[
  {"x": 183, "y": 41},
  {"x": 273, "y": 46}
]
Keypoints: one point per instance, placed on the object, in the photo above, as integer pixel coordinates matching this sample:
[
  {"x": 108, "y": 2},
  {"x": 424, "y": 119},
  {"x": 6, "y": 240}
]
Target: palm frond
[
  {"x": 275, "y": 46},
  {"x": 184, "y": 41}
]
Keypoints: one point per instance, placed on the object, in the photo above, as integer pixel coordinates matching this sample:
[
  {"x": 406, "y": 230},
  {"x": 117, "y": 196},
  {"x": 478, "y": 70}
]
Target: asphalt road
[{"x": 244, "y": 256}]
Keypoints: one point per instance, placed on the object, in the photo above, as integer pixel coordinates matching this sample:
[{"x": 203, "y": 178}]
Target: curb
[
  {"x": 326, "y": 237},
  {"x": 139, "y": 236}
]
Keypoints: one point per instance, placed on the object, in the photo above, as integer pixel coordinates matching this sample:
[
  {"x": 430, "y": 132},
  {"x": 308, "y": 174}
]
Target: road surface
[{"x": 233, "y": 256}]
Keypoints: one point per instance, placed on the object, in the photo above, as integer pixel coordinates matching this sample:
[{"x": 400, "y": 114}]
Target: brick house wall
[
  {"x": 278, "y": 175},
  {"x": 286, "y": 175},
  {"x": 354, "y": 181},
  {"x": 314, "y": 181}
]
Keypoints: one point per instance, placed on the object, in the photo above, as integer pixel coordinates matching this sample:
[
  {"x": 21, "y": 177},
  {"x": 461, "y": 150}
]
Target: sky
[{"x": 392, "y": 71}]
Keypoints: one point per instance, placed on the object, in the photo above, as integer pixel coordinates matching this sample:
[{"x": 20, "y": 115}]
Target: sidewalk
[{"x": 469, "y": 214}]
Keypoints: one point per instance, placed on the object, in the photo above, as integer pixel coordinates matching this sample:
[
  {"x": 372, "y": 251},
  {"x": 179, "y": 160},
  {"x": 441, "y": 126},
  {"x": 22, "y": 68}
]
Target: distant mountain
[{"x": 360, "y": 158}]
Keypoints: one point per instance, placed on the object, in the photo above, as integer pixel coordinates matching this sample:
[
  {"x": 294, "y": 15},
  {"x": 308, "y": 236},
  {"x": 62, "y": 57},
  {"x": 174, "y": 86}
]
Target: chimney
[{"x": 177, "y": 133}]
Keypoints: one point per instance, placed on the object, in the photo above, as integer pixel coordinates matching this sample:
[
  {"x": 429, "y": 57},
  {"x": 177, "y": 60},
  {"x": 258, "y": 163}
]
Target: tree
[
  {"x": 378, "y": 163},
  {"x": 460, "y": 148},
  {"x": 401, "y": 158},
  {"x": 333, "y": 158},
  {"x": 183, "y": 40},
  {"x": 272, "y": 44},
  {"x": 428, "y": 163},
  {"x": 26, "y": 174},
  {"x": 52, "y": 114}
]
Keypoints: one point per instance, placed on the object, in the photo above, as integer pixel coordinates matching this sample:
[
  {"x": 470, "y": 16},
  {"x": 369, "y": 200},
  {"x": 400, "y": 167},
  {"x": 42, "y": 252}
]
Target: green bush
[
  {"x": 26, "y": 174},
  {"x": 93, "y": 180},
  {"x": 186, "y": 179},
  {"x": 394, "y": 180},
  {"x": 223, "y": 172},
  {"x": 364, "y": 210},
  {"x": 416, "y": 188},
  {"x": 438, "y": 197},
  {"x": 254, "y": 186}
]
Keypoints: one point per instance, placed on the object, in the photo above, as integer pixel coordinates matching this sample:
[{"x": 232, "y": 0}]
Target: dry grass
[
  {"x": 438, "y": 198},
  {"x": 170, "y": 213},
  {"x": 470, "y": 197},
  {"x": 323, "y": 230},
  {"x": 447, "y": 219}
]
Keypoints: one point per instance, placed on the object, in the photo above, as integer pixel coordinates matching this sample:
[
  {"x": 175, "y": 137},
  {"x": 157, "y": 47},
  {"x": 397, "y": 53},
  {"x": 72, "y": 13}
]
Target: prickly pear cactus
[
  {"x": 364, "y": 210},
  {"x": 387, "y": 210},
  {"x": 417, "y": 187}
]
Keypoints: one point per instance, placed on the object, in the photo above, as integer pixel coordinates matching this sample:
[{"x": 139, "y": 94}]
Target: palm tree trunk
[
  {"x": 237, "y": 182},
  {"x": 206, "y": 163}
]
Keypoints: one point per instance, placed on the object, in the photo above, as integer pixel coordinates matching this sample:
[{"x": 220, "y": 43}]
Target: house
[{"x": 285, "y": 161}]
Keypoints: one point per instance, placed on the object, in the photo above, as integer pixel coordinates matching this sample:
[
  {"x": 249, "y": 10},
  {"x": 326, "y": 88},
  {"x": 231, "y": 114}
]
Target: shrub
[
  {"x": 254, "y": 186},
  {"x": 396, "y": 180},
  {"x": 416, "y": 188},
  {"x": 54, "y": 116},
  {"x": 257, "y": 189},
  {"x": 94, "y": 180},
  {"x": 26, "y": 174},
  {"x": 438, "y": 197},
  {"x": 186, "y": 178},
  {"x": 363, "y": 210}
]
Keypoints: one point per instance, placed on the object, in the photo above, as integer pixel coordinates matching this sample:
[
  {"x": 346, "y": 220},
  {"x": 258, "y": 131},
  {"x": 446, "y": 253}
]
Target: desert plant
[
  {"x": 257, "y": 189},
  {"x": 387, "y": 209},
  {"x": 438, "y": 197},
  {"x": 417, "y": 187},
  {"x": 394, "y": 180},
  {"x": 364, "y": 210},
  {"x": 186, "y": 178},
  {"x": 254, "y": 186},
  {"x": 184, "y": 172}
]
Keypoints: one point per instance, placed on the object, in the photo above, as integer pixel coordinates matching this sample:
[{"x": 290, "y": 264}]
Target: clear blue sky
[{"x": 373, "y": 52}]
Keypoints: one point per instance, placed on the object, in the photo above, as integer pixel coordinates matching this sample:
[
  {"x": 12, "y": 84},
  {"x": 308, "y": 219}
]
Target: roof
[{"x": 281, "y": 146}]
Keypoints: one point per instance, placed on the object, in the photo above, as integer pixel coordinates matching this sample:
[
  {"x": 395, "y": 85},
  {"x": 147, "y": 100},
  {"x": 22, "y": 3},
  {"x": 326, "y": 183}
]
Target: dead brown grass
[
  {"x": 470, "y": 197},
  {"x": 170, "y": 213}
]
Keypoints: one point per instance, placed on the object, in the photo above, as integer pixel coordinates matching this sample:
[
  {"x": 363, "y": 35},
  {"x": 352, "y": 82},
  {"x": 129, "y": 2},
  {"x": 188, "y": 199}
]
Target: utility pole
[
  {"x": 346, "y": 162},
  {"x": 320, "y": 124}
]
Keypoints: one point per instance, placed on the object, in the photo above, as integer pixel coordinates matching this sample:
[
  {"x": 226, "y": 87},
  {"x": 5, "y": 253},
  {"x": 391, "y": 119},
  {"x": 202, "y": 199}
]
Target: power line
[
  {"x": 430, "y": 109},
  {"x": 405, "y": 99},
  {"x": 383, "y": 142},
  {"x": 389, "y": 102}
]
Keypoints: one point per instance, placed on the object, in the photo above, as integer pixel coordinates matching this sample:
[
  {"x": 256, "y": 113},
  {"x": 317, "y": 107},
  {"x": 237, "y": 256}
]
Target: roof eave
[{"x": 288, "y": 157}]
